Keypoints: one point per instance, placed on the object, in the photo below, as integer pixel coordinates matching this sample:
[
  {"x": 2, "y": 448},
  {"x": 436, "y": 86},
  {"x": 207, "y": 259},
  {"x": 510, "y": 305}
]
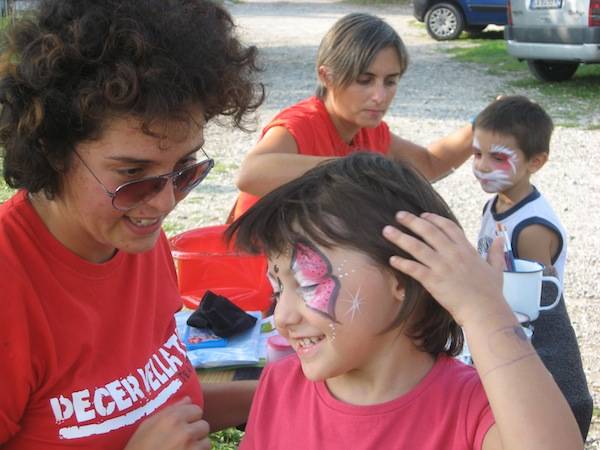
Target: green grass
[
  {"x": 4, "y": 21},
  {"x": 416, "y": 24},
  {"x": 491, "y": 53},
  {"x": 584, "y": 85},
  {"x": 570, "y": 103},
  {"x": 228, "y": 439}
]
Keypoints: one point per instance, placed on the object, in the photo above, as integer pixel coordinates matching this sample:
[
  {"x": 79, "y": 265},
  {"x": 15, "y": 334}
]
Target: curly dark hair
[
  {"x": 75, "y": 63},
  {"x": 346, "y": 202}
]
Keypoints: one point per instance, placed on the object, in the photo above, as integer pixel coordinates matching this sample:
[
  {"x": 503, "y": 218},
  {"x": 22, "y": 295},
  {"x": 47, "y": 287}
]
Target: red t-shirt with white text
[{"x": 88, "y": 350}]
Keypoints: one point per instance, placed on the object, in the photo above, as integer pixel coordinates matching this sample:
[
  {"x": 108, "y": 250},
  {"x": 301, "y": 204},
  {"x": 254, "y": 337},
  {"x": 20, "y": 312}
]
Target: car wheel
[
  {"x": 551, "y": 71},
  {"x": 444, "y": 22}
]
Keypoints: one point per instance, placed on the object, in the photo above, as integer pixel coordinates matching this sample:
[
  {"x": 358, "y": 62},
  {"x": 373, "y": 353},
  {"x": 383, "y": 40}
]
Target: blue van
[{"x": 446, "y": 19}]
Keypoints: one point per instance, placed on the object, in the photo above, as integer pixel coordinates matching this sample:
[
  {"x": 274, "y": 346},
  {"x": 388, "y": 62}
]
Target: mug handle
[{"x": 558, "y": 292}]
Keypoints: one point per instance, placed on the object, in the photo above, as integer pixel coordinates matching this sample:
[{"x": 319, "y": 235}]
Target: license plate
[{"x": 546, "y": 4}]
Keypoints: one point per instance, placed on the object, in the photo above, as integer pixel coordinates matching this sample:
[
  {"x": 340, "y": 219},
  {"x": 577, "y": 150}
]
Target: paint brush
[{"x": 509, "y": 258}]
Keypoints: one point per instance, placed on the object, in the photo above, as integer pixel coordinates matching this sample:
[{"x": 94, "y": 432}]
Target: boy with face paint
[
  {"x": 511, "y": 142},
  {"x": 373, "y": 302}
]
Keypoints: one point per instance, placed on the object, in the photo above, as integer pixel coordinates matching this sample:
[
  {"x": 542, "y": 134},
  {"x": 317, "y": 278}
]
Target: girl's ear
[
  {"x": 325, "y": 77},
  {"x": 536, "y": 162},
  {"x": 396, "y": 287}
]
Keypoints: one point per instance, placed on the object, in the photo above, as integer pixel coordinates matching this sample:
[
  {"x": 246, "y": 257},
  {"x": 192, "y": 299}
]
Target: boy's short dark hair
[
  {"x": 76, "y": 64},
  {"x": 347, "y": 202},
  {"x": 521, "y": 118}
]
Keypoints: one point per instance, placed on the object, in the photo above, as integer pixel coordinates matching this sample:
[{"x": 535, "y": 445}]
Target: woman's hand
[
  {"x": 177, "y": 427},
  {"x": 448, "y": 266}
]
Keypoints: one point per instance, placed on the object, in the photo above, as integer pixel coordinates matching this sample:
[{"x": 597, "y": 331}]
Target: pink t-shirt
[{"x": 447, "y": 410}]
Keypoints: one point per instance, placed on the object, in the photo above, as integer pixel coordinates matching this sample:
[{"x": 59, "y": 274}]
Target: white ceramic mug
[{"x": 522, "y": 288}]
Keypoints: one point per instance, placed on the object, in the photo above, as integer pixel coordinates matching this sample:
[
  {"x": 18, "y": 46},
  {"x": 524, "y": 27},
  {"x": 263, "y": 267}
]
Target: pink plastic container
[{"x": 204, "y": 262}]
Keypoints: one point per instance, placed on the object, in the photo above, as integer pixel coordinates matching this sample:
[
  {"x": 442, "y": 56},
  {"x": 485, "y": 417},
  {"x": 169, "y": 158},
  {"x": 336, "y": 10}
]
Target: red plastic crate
[{"x": 204, "y": 262}]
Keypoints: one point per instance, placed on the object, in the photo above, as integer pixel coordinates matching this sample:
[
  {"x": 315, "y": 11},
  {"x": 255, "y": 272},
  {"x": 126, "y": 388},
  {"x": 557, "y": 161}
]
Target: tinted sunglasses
[{"x": 134, "y": 193}]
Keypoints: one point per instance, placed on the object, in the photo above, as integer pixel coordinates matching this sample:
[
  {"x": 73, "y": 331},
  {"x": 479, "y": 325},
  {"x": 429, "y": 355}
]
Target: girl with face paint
[{"x": 375, "y": 320}]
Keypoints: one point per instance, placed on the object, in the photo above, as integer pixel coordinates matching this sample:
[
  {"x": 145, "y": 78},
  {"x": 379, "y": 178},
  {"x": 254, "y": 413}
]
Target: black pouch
[{"x": 220, "y": 315}]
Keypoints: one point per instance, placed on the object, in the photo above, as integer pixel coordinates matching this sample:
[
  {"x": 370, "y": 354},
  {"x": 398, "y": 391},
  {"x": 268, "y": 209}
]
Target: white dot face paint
[
  {"x": 494, "y": 169},
  {"x": 332, "y": 333}
]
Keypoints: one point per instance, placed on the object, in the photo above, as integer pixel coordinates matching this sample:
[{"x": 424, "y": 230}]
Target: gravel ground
[{"x": 435, "y": 97}]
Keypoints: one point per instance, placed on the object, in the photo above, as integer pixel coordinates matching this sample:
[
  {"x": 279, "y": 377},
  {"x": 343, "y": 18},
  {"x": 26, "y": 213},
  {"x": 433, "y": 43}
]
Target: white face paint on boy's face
[{"x": 494, "y": 164}]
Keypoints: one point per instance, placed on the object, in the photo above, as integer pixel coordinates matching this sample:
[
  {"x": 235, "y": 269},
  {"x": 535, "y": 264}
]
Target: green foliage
[{"x": 228, "y": 439}]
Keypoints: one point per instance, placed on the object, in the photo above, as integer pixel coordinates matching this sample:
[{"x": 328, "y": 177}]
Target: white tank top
[{"x": 532, "y": 210}]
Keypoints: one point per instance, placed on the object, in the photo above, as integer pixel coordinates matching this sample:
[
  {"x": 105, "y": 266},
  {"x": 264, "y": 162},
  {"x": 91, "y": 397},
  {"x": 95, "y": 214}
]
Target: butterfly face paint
[
  {"x": 317, "y": 285},
  {"x": 502, "y": 160}
]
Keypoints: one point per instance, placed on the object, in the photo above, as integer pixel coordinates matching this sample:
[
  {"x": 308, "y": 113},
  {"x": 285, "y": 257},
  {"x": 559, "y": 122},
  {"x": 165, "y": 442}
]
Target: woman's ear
[{"x": 325, "y": 77}]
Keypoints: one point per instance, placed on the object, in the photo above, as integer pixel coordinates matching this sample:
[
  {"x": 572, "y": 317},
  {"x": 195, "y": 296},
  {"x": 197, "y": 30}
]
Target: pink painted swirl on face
[{"x": 317, "y": 284}]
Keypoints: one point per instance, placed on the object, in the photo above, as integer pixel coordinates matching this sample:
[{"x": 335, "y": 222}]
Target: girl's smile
[{"x": 333, "y": 306}]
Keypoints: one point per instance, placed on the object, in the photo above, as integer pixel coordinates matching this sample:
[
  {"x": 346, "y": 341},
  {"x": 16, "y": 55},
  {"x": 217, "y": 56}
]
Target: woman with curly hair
[{"x": 103, "y": 106}]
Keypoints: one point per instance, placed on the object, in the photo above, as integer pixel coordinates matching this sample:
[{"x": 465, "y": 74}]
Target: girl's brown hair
[{"x": 347, "y": 202}]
